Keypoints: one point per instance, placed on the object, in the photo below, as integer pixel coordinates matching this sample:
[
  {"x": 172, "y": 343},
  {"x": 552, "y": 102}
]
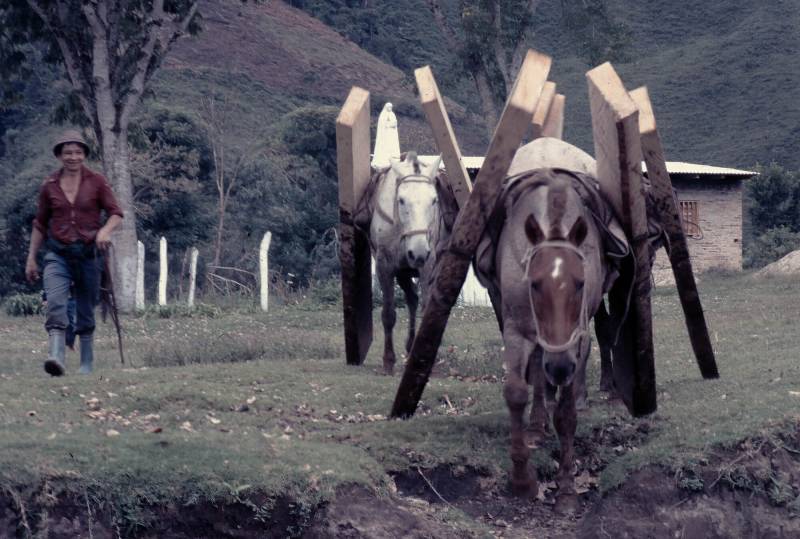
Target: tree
[
  {"x": 491, "y": 40},
  {"x": 775, "y": 199},
  {"x": 110, "y": 50},
  {"x": 229, "y": 159}
]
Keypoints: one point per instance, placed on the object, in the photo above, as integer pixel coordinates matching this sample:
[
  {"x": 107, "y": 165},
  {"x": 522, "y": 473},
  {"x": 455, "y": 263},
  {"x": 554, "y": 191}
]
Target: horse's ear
[
  {"x": 396, "y": 167},
  {"x": 532, "y": 230},
  {"x": 578, "y": 232}
]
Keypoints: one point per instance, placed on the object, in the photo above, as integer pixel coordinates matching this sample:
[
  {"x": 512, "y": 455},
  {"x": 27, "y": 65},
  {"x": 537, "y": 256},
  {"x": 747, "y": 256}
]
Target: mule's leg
[
  {"x": 523, "y": 483},
  {"x": 539, "y": 424},
  {"x": 581, "y": 394},
  {"x": 412, "y": 300},
  {"x": 388, "y": 317},
  {"x": 603, "y": 329},
  {"x": 565, "y": 421}
]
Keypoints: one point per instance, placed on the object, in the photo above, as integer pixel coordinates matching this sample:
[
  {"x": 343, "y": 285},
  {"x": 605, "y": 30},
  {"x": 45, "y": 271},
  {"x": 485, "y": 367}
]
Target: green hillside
[{"x": 723, "y": 76}]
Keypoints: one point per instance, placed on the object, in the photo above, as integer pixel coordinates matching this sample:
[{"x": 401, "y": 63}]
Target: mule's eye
[
  {"x": 435, "y": 201},
  {"x": 579, "y": 286},
  {"x": 535, "y": 286},
  {"x": 402, "y": 201}
]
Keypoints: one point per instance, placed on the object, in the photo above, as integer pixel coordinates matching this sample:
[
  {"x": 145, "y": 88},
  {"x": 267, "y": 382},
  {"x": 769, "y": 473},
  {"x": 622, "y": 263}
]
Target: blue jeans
[{"x": 59, "y": 273}]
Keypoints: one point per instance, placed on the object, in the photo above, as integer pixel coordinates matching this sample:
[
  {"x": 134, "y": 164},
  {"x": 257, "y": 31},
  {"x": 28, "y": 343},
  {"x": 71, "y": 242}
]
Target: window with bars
[{"x": 690, "y": 218}]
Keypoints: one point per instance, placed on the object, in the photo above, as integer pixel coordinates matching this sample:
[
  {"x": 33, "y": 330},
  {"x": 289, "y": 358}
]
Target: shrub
[
  {"x": 24, "y": 305},
  {"x": 773, "y": 244}
]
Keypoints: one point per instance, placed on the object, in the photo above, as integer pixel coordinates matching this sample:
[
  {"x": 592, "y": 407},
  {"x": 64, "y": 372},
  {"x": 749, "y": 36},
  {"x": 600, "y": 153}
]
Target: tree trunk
[
  {"x": 117, "y": 168},
  {"x": 488, "y": 105}
]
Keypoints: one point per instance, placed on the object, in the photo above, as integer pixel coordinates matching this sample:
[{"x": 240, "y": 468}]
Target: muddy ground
[{"x": 750, "y": 491}]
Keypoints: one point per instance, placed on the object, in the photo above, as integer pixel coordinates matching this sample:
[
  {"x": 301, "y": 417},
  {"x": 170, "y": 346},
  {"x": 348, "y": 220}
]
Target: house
[{"x": 710, "y": 202}]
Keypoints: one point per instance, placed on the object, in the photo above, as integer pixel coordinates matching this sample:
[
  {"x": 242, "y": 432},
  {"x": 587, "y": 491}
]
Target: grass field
[{"x": 259, "y": 410}]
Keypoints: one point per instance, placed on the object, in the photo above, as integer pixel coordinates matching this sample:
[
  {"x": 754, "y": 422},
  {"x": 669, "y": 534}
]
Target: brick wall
[{"x": 719, "y": 208}]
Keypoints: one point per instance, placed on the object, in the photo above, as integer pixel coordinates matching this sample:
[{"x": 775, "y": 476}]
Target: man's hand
[
  {"x": 31, "y": 270},
  {"x": 103, "y": 239}
]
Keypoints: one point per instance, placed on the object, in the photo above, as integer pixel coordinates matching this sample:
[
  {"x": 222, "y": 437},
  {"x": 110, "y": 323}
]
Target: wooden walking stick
[{"x": 108, "y": 300}]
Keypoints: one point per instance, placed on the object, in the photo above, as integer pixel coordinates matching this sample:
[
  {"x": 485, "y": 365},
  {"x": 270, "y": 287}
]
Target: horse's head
[
  {"x": 555, "y": 274},
  {"x": 416, "y": 209}
]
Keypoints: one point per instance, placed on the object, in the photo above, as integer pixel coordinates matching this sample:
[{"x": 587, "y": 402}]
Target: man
[{"x": 69, "y": 219}]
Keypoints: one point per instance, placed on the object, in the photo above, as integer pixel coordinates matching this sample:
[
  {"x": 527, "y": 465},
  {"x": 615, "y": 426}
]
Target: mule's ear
[
  {"x": 578, "y": 232},
  {"x": 448, "y": 204},
  {"x": 532, "y": 230},
  {"x": 434, "y": 168}
]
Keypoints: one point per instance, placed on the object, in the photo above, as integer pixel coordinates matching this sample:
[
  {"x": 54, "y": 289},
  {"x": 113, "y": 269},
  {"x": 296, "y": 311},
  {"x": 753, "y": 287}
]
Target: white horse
[{"x": 411, "y": 211}]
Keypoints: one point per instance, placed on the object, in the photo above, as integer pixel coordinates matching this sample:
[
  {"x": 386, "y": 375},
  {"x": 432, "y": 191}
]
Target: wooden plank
[
  {"x": 451, "y": 267},
  {"x": 543, "y": 109},
  {"x": 439, "y": 120},
  {"x": 618, "y": 152},
  {"x": 352, "y": 150},
  {"x": 678, "y": 248},
  {"x": 554, "y": 125}
]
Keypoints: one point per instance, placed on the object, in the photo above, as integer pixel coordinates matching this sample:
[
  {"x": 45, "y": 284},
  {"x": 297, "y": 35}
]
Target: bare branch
[
  {"x": 76, "y": 75},
  {"x": 441, "y": 21}
]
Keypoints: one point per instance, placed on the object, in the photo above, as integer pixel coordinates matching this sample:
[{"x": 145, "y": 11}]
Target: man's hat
[{"x": 70, "y": 135}]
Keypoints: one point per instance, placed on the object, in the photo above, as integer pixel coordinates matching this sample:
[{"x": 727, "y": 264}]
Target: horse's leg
[
  {"x": 565, "y": 421},
  {"x": 539, "y": 424},
  {"x": 412, "y": 300},
  {"x": 388, "y": 316},
  {"x": 603, "y": 329},
  {"x": 523, "y": 483}
]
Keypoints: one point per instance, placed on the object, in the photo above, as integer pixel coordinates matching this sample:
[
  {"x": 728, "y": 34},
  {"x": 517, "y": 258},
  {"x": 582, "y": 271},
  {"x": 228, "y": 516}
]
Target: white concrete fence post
[
  {"x": 263, "y": 265},
  {"x": 140, "y": 276},
  {"x": 192, "y": 274},
  {"x": 162, "y": 271}
]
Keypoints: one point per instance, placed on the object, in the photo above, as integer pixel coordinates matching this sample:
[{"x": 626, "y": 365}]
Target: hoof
[
  {"x": 534, "y": 437},
  {"x": 581, "y": 404},
  {"x": 388, "y": 370},
  {"x": 53, "y": 367},
  {"x": 524, "y": 489},
  {"x": 566, "y": 504}
]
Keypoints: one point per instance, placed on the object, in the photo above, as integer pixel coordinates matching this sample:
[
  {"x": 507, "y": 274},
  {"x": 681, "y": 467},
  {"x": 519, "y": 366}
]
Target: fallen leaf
[{"x": 112, "y": 432}]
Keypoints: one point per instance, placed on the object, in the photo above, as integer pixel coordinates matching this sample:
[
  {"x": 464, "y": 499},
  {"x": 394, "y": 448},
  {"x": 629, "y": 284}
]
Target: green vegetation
[{"x": 253, "y": 406}]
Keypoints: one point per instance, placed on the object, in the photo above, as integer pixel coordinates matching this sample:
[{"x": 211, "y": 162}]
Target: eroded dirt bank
[{"x": 751, "y": 491}]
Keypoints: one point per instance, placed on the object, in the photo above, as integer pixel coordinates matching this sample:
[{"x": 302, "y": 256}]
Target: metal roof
[
  {"x": 474, "y": 162},
  {"x": 679, "y": 167}
]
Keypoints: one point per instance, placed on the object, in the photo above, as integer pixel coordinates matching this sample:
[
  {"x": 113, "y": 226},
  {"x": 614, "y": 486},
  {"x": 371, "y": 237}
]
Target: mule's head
[
  {"x": 555, "y": 273},
  {"x": 416, "y": 207}
]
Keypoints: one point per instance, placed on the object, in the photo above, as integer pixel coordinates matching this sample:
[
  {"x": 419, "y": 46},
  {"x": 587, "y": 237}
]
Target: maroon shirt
[{"x": 80, "y": 221}]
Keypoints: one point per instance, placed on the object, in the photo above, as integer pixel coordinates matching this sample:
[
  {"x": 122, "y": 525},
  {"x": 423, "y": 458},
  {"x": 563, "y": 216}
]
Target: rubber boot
[
  {"x": 87, "y": 353},
  {"x": 54, "y": 365}
]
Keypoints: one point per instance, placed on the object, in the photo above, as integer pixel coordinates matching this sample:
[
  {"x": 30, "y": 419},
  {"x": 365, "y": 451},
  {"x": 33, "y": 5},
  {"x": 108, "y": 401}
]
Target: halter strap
[{"x": 581, "y": 329}]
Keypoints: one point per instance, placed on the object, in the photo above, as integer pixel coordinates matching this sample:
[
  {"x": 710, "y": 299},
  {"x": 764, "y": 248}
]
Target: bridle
[
  {"x": 581, "y": 329},
  {"x": 408, "y": 178}
]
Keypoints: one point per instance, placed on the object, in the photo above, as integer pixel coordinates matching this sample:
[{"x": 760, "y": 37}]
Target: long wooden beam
[
  {"x": 433, "y": 105},
  {"x": 352, "y": 150},
  {"x": 618, "y": 152},
  {"x": 451, "y": 267},
  {"x": 554, "y": 124},
  {"x": 677, "y": 248},
  {"x": 543, "y": 109}
]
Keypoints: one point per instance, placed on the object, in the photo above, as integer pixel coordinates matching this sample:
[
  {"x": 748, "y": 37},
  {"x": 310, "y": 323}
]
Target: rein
[{"x": 581, "y": 329}]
